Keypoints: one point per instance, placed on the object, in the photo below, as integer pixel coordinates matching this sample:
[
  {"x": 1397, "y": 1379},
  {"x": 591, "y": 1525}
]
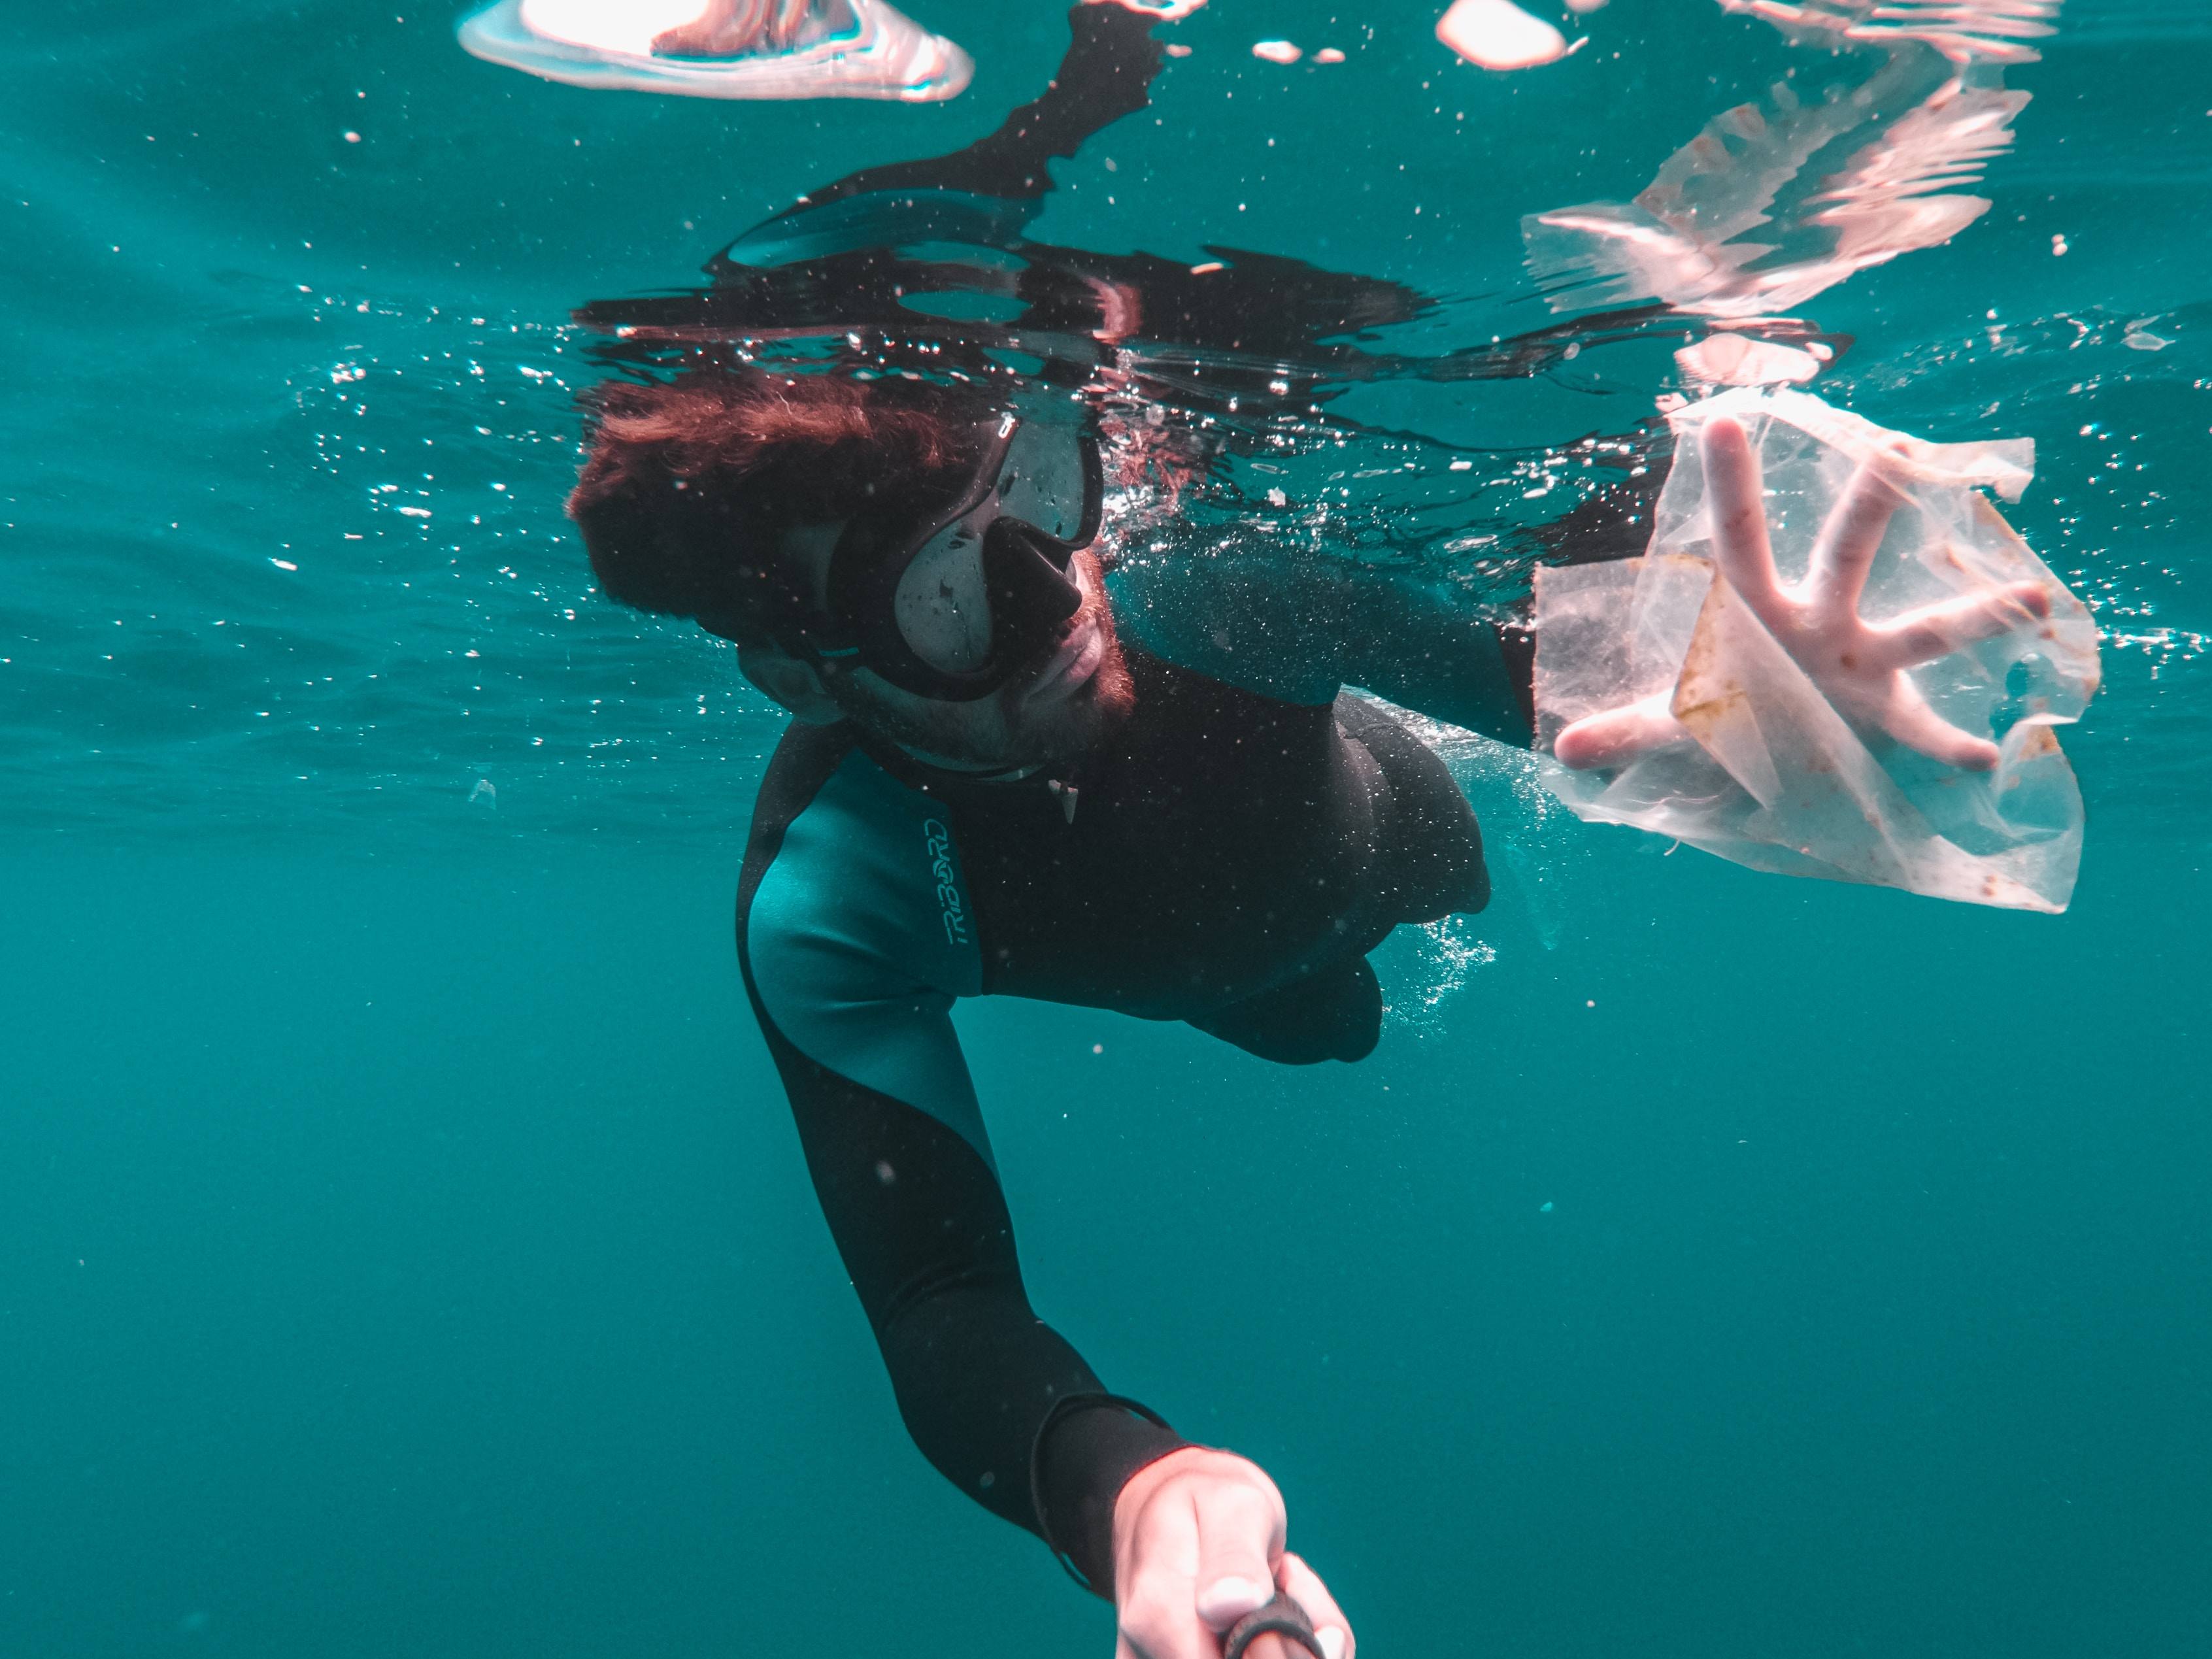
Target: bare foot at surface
[{"x": 732, "y": 28}]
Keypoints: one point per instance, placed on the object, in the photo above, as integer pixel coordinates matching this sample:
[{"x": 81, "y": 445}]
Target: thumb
[{"x": 1620, "y": 735}]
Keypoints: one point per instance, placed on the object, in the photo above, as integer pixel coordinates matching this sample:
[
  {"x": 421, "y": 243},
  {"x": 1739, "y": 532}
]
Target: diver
[
  {"x": 992, "y": 785},
  {"x": 987, "y": 789}
]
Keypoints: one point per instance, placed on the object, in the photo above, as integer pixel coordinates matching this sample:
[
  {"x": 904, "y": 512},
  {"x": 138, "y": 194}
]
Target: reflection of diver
[{"x": 990, "y": 787}]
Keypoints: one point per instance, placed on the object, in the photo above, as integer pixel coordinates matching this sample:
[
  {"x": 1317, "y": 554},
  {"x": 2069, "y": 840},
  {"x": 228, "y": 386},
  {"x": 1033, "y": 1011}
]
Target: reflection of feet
[
  {"x": 732, "y": 28},
  {"x": 723, "y": 48}
]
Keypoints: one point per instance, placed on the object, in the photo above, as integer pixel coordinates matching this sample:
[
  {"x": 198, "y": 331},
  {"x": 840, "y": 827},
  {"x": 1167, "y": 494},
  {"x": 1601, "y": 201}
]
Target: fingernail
[
  {"x": 1332, "y": 1642},
  {"x": 1226, "y": 1600}
]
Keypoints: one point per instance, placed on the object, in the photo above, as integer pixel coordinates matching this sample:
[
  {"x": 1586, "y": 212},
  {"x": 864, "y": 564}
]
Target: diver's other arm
[
  {"x": 1198, "y": 1543},
  {"x": 922, "y": 1227},
  {"x": 1860, "y": 666},
  {"x": 852, "y": 971}
]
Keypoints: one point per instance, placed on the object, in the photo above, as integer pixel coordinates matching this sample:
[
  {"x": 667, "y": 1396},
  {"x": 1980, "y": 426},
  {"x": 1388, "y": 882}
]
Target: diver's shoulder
[{"x": 865, "y": 875}]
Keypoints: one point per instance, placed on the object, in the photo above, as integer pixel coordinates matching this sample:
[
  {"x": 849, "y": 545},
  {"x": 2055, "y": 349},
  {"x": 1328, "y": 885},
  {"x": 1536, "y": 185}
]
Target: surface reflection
[{"x": 1859, "y": 156}]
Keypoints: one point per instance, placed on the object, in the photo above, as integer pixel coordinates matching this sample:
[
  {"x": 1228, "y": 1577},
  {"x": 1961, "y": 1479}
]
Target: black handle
[{"x": 1280, "y": 1617}]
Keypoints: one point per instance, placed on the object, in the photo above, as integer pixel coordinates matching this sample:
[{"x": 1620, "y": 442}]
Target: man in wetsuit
[
  {"x": 986, "y": 788},
  {"x": 990, "y": 786}
]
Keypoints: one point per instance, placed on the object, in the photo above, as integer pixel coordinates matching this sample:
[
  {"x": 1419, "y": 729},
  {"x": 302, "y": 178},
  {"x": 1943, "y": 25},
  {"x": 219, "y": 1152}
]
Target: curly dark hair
[{"x": 688, "y": 485}]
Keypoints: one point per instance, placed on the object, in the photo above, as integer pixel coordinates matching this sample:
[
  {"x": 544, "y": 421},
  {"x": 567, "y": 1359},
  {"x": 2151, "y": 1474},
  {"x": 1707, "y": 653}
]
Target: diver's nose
[{"x": 1027, "y": 570}]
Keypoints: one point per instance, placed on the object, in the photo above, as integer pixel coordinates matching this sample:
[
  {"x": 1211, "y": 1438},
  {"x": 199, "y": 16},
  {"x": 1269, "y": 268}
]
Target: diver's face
[{"x": 1074, "y": 688}]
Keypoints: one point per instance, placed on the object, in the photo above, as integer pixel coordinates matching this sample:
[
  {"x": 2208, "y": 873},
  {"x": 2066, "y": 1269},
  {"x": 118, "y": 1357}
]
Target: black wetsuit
[{"x": 1223, "y": 858}]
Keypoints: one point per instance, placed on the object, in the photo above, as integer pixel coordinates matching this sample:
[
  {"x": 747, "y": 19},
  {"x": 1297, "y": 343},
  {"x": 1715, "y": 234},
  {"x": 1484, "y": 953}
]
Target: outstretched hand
[
  {"x": 1859, "y": 666},
  {"x": 1198, "y": 1543}
]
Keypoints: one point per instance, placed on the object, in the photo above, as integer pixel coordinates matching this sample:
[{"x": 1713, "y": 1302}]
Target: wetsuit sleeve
[
  {"x": 854, "y": 936},
  {"x": 1300, "y": 627}
]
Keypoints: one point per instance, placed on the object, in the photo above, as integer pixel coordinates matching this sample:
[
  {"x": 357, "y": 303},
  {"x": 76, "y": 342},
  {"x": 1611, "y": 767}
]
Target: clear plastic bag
[{"x": 1769, "y": 773}]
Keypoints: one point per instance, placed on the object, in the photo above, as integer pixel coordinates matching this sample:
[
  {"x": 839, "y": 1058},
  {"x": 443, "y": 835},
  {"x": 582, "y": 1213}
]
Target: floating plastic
[
  {"x": 1759, "y": 764},
  {"x": 855, "y": 49}
]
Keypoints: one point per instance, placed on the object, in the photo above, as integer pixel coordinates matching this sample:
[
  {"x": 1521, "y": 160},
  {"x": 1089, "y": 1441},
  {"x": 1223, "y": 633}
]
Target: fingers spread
[
  {"x": 1910, "y": 720},
  {"x": 1938, "y": 630},
  {"x": 1847, "y": 542},
  {"x": 1240, "y": 1532},
  {"x": 1302, "y": 1585},
  {"x": 1619, "y": 735},
  {"x": 1735, "y": 495}
]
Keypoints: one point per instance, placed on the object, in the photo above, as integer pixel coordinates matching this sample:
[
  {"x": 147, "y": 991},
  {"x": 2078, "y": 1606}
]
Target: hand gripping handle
[{"x": 1280, "y": 1617}]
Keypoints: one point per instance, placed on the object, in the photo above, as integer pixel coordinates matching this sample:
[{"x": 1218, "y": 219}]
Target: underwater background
[{"x": 404, "y": 1248}]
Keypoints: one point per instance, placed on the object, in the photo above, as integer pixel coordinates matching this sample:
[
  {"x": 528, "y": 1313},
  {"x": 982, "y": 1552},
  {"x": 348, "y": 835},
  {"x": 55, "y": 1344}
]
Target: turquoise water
[{"x": 404, "y": 1246}]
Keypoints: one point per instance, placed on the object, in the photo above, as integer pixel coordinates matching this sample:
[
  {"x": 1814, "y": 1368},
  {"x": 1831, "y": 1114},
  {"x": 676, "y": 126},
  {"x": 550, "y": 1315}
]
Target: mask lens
[
  {"x": 1043, "y": 479},
  {"x": 942, "y": 604}
]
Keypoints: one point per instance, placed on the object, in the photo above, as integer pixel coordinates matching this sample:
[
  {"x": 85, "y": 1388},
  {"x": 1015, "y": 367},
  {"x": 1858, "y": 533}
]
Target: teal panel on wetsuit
[{"x": 862, "y": 934}]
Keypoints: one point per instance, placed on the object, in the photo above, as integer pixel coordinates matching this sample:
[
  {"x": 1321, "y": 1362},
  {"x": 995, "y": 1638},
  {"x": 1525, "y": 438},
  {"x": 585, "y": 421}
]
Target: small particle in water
[
  {"x": 1178, "y": 51},
  {"x": 1328, "y": 55},
  {"x": 353, "y": 137},
  {"x": 1276, "y": 498},
  {"x": 2143, "y": 340},
  {"x": 484, "y": 792},
  {"x": 284, "y": 564},
  {"x": 1277, "y": 52},
  {"x": 1462, "y": 466},
  {"x": 884, "y": 1173},
  {"x": 2058, "y": 247},
  {"x": 1097, "y": 1048},
  {"x": 1545, "y": 1208},
  {"x": 1590, "y": 1003}
]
